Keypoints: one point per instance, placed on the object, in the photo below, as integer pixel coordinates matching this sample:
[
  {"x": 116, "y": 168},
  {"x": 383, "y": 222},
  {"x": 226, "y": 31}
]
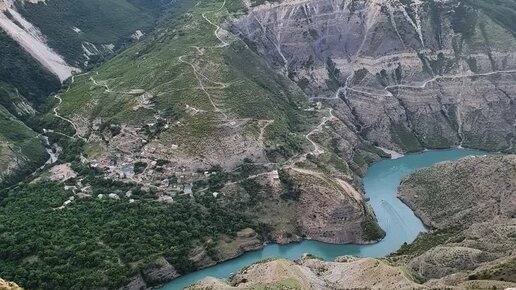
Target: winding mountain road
[
  {"x": 421, "y": 86},
  {"x": 223, "y": 43},
  {"x": 56, "y": 114}
]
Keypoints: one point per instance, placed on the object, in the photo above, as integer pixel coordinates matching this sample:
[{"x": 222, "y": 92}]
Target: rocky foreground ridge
[
  {"x": 312, "y": 273},
  {"x": 470, "y": 205},
  {"x": 5, "y": 285}
]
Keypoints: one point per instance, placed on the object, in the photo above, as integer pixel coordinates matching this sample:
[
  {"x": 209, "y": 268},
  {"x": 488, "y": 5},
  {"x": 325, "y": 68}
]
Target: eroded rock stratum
[{"x": 406, "y": 74}]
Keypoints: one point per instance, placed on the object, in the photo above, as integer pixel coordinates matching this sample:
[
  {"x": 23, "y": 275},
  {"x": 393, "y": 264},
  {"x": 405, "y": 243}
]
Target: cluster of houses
[
  {"x": 157, "y": 174},
  {"x": 79, "y": 190}
]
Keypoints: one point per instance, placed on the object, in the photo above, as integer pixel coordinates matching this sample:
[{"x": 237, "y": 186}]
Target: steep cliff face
[
  {"x": 332, "y": 211},
  {"x": 307, "y": 204},
  {"x": 412, "y": 74}
]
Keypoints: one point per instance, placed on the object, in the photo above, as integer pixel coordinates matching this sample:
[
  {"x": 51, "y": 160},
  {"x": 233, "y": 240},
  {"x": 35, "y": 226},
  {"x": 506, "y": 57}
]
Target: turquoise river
[{"x": 381, "y": 183}]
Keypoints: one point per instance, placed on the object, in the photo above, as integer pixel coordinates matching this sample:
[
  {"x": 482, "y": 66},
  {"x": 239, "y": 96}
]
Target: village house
[{"x": 188, "y": 189}]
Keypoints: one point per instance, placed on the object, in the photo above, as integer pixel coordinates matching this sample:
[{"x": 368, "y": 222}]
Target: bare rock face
[
  {"x": 245, "y": 240},
  {"x": 333, "y": 211},
  {"x": 227, "y": 248},
  {"x": 136, "y": 283},
  {"x": 411, "y": 74},
  {"x": 160, "y": 274},
  {"x": 305, "y": 203}
]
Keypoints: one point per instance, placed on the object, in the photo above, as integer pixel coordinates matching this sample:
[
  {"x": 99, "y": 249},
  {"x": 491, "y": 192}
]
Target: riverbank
[
  {"x": 380, "y": 183},
  {"x": 473, "y": 254}
]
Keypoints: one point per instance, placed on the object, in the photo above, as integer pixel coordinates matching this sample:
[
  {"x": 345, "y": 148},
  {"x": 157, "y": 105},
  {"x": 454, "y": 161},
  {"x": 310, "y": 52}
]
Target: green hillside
[{"x": 239, "y": 85}]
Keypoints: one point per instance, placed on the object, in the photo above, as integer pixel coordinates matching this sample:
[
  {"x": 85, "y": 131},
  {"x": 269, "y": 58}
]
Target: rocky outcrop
[
  {"x": 305, "y": 203},
  {"x": 136, "y": 283},
  {"x": 224, "y": 249},
  {"x": 332, "y": 211},
  {"x": 161, "y": 273},
  {"x": 246, "y": 240},
  {"x": 227, "y": 248},
  {"x": 5, "y": 285}
]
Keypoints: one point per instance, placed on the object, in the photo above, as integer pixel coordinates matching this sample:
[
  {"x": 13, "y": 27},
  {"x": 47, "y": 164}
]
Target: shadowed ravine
[{"x": 398, "y": 220}]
